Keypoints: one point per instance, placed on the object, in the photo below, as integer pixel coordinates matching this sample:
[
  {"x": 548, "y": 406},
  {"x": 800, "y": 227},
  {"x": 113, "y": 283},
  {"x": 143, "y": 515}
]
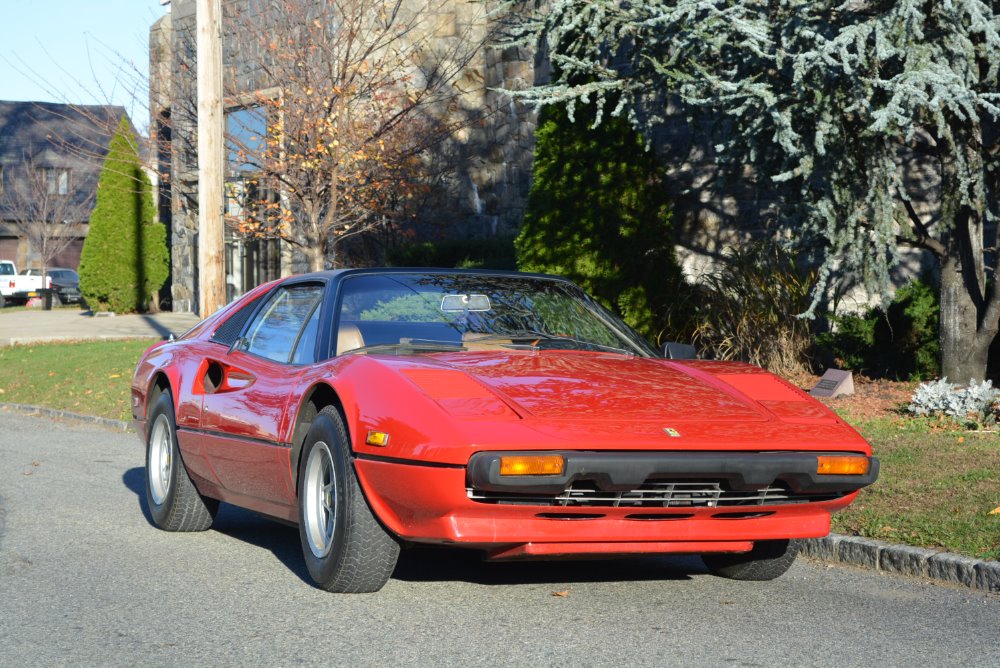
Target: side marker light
[
  {"x": 532, "y": 465},
  {"x": 377, "y": 438}
]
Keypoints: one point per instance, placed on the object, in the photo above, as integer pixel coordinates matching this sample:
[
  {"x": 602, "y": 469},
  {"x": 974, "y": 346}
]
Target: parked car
[
  {"x": 18, "y": 289},
  {"x": 499, "y": 411},
  {"x": 65, "y": 284}
]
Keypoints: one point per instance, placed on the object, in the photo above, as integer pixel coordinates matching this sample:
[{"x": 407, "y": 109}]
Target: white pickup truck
[{"x": 18, "y": 289}]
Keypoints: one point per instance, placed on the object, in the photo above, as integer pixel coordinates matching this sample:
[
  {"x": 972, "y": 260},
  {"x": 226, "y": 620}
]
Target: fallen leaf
[
  {"x": 995, "y": 511},
  {"x": 115, "y": 375},
  {"x": 961, "y": 439},
  {"x": 561, "y": 594}
]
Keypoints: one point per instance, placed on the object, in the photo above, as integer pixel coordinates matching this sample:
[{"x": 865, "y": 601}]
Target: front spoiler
[{"x": 624, "y": 471}]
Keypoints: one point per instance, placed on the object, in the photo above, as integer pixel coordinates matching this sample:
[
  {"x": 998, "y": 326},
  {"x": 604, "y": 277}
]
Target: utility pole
[{"x": 211, "y": 264}]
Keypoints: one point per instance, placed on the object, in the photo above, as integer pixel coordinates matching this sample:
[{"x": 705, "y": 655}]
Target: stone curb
[
  {"x": 914, "y": 561},
  {"x": 854, "y": 550},
  {"x": 118, "y": 425}
]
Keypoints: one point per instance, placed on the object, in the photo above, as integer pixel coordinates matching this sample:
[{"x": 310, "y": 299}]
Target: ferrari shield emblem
[{"x": 671, "y": 432}]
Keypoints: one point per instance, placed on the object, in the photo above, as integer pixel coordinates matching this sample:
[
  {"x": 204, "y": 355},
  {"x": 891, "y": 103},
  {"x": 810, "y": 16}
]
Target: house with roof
[{"x": 50, "y": 158}]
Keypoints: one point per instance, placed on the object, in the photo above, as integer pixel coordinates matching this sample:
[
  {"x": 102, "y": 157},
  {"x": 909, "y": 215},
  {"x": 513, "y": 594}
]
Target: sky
[{"x": 78, "y": 51}]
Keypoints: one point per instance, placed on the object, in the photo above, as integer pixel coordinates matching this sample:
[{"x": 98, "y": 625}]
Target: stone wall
[{"x": 483, "y": 193}]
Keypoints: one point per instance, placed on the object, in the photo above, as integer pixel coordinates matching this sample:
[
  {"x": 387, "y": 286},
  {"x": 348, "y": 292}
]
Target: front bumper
[
  {"x": 68, "y": 295},
  {"x": 435, "y": 504}
]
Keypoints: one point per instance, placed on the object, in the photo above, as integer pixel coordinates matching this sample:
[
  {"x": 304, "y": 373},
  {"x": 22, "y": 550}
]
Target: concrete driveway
[{"x": 19, "y": 326}]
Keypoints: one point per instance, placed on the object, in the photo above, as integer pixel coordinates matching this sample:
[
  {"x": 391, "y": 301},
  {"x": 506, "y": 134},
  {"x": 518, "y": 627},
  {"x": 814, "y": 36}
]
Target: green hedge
[
  {"x": 900, "y": 342},
  {"x": 493, "y": 253},
  {"x": 598, "y": 214}
]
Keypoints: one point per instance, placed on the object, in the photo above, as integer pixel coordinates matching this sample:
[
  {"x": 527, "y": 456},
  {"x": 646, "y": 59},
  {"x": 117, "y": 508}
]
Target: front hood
[{"x": 580, "y": 385}]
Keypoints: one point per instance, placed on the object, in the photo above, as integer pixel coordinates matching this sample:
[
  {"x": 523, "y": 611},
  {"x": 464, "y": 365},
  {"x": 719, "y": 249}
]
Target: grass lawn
[
  {"x": 91, "y": 377},
  {"x": 937, "y": 487}
]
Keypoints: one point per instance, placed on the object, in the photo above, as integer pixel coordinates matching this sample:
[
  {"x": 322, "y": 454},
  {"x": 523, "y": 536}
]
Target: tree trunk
[
  {"x": 968, "y": 320},
  {"x": 964, "y": 349},
  {"x": 316, "y": 256},
  {"x": 965, "y": 338}
]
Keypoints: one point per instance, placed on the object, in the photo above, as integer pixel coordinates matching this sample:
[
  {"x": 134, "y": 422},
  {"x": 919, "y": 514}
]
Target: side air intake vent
[{"x": 228, "y": 331}]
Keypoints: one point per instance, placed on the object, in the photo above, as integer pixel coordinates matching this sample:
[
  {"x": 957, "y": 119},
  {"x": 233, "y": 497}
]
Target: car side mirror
[
  {"x": 679, "y": 351},
  {"x": 238, "y": 344}
]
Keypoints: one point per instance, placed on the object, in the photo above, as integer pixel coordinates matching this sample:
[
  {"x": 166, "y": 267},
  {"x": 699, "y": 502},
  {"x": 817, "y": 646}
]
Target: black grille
[
  {"x": 227, "y": 333},
  {"x": 656, "y": 494}
]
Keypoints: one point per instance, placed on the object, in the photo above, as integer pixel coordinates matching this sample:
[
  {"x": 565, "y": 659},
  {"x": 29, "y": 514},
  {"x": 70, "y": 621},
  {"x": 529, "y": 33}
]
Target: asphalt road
[{"x": 86, "y": 580}]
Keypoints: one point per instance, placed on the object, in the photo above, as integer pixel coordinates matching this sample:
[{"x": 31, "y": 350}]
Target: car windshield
[{"x": 435, "y": 312}]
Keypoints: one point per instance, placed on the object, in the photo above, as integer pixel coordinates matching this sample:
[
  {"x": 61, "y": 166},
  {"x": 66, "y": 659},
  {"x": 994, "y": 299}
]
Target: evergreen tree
[
  {"x": 597, "y": 214},
  {"x": 124, "y": 259},
  {"x": 826, "y": 99}
]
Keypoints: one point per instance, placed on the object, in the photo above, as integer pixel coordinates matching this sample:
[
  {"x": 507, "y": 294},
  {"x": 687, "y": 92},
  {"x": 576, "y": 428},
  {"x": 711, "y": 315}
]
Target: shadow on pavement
[
  {"x": 280, "y": 539},
  {"x": 439, "y": 564},
  {"x": 161, "y": 329}
]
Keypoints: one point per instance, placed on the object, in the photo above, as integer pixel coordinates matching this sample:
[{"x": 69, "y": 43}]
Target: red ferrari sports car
[{"x": 499, "y": 411}]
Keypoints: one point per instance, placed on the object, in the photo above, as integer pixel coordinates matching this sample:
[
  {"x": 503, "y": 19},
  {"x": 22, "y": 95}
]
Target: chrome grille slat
[{"x": 655, "y": 494}]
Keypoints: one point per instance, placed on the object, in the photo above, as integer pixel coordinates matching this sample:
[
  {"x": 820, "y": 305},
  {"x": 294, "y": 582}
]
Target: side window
[
  {"x": 305, "y": 349},
  {"x": 273, "y": 333}
]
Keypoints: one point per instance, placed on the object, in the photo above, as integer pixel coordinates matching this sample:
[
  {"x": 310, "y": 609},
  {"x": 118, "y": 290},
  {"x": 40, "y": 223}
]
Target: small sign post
[{"x": 834, "y": 383}]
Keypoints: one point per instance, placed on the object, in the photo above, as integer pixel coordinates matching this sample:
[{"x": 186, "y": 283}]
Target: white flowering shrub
[{"x": 976, "y": 405}]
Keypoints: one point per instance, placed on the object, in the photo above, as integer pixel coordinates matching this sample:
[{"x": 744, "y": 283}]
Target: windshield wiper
[
  {"x": 406, "y": 346},
  {"x": 542, "y": 336}
]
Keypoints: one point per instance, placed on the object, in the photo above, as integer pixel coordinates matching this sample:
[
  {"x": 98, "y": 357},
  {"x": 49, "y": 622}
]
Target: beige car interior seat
[{"x": 348, "y": 338}]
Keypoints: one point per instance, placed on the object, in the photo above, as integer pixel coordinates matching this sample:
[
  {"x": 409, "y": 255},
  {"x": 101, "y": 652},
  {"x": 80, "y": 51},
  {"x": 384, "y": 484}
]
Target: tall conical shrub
[{"x": 124, "y": 259}]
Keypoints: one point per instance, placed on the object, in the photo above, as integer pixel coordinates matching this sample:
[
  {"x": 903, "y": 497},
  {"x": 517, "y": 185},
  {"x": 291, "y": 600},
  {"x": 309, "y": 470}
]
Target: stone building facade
[{"x": 484, "y": 194}]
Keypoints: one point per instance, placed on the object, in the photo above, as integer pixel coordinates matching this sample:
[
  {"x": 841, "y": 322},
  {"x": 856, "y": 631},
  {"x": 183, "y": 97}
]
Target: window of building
[
  {"x": 56, "y": 181},
  {"x": 246, "y": 139}
]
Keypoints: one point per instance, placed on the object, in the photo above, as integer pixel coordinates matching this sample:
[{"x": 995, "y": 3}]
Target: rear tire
[
  {"x": 767, "y": 560},
  {"x": 174, "y": 502},
  {"x": 345, "y": 548}
]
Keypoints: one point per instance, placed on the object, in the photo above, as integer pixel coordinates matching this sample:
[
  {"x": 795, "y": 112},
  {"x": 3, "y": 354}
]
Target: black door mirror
[{"x": 679, "y": 351}]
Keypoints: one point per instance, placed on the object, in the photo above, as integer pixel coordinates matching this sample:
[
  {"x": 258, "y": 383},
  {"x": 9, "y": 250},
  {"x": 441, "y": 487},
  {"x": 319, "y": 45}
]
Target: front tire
[
  {"x": 345, "y": 548},
  {"x": 174, "y": 502},
  {"x": 769, "y": 559}
]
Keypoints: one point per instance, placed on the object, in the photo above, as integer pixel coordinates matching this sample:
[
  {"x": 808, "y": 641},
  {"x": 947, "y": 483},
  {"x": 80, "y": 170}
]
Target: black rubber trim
[
  {"x": 625, "y": 471},
  {"x": 245, "y": 439},
  {"x": 408, "y": 462}
]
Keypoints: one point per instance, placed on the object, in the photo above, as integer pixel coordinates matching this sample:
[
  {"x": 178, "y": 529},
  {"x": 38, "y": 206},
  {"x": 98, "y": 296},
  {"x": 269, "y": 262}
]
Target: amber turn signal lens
[
  {"x": 532, "y": 465},
  {"x": 841, "y": 465},
  {"x": 377, "y": 438}
]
